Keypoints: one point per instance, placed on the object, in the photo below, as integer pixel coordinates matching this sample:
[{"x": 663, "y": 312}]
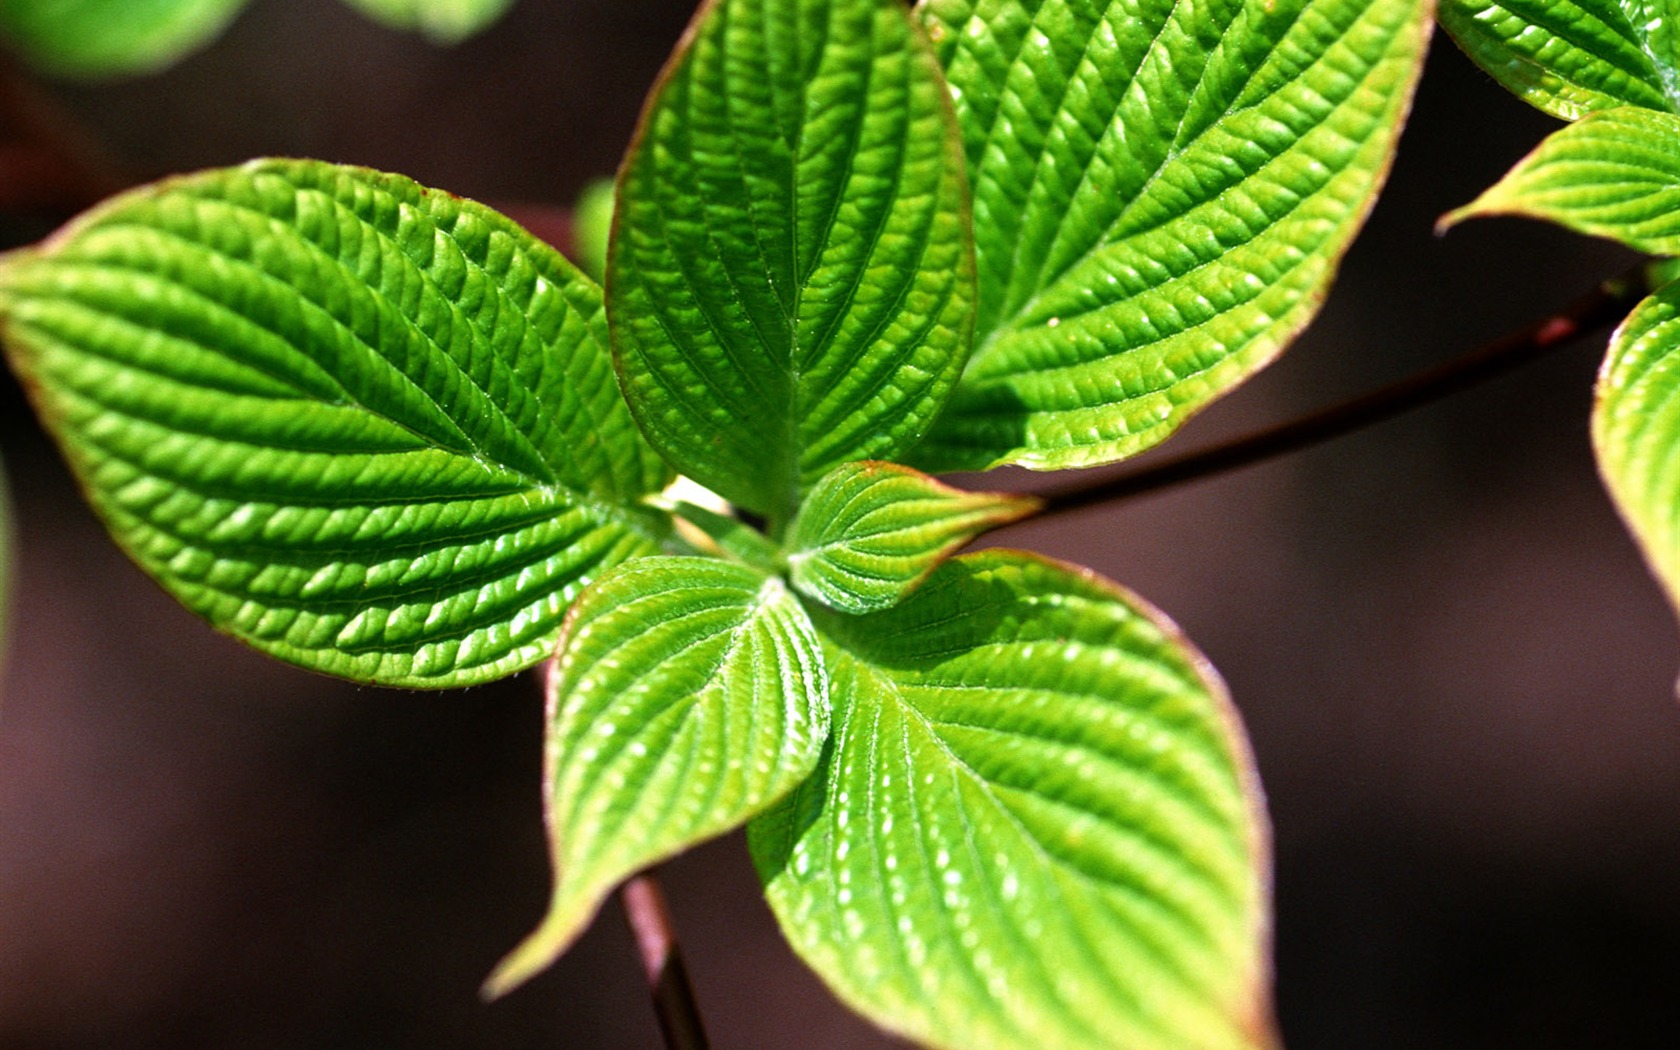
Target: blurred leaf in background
[
  {"x": 442, "y": 21},
  {"x": 91, "y": 39},
  {"x": 103, "y": 38}
]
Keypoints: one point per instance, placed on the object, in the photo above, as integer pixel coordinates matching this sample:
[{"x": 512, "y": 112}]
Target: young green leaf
[
  {"x": 1035, "y": 824},
  {"x": 1569, "y": 57},
  {"x": 790, "y": 279},
  {"x": 1614, "y": 173},
  {"x": 98, "y": 38},
  {"x": 1636, "y": 429},
  {"x": 870, "y": 532},
  {"x": 442, "y": 21},
  {"x": 368, "y": 427},
  {"x": 689, "y": 695},
  {"x": 1162, "y": 192},
  {"x": 728, "y": 536}
]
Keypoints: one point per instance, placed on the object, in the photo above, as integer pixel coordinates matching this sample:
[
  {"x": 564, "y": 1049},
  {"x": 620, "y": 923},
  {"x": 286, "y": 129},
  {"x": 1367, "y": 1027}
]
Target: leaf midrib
[
  {"x": 553, "y": 486},
  {"x": 1052, "y": 865}
]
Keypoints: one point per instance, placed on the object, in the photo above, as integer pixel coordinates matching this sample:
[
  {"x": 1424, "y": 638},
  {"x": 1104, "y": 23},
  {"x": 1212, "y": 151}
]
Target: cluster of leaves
[
  {"x": 99, "y": 38},
  {"x": 384, "y": 433},
  {"x": 1612, "y": 68}
]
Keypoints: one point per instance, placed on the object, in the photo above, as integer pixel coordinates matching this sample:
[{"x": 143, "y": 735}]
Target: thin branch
[
  {"x": 1606, "y": 304},
  {"x": 673, "y": 996}
]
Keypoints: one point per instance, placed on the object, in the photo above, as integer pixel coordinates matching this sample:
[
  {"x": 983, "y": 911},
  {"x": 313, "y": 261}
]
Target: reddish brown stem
[
  {"x": 656, "y": 939},
  {"x": 1605, "y": 304}
]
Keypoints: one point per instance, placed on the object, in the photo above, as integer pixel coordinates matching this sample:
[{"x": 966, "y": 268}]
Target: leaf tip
[
  {"x": 536, "y": 953},
  {"x": 1452, "y": 218}
]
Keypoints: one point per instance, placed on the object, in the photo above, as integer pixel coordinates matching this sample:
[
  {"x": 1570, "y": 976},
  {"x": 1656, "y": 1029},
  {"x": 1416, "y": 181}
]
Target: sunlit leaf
[
  {"x": 1569, "y": 57},
  {"x": 1035, "y": 824},
  {"x": 689, "y": 695},
  {"x": 1636, "y": 430},
  {"x": 869, "y": 532},
  {"x": 367, "y": 427},
  {"x": 728, "y": 536},
  {"x": 1162, "y": 192},
  {"x": 790, "y": 282},
  {"x": 95, "y": 38},
  {"x": 1614, "y": 173},
  {"x": 443, "y": 21}
]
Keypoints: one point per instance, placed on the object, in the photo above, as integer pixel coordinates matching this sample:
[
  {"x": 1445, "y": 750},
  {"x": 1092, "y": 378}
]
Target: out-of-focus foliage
[{"x": 105, "y": 38}]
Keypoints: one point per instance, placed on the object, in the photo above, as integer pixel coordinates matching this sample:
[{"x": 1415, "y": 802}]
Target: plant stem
[
  {"x": 656, "y": 938},
  {"x": 1605, "y": 304},
  {"x": 673, "y": 996}
]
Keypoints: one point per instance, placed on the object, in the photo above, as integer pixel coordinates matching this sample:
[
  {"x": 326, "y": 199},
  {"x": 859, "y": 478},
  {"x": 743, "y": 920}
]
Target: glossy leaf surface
[
  {"x": 689, "y": 695},
  {"x": 1636, "y": 429},
  {"x": 95, "y": 38},
  {"x": 1614, "y": 173},
  {"x": 1569, "y": 57},
  {"x": 869, "y": 532},
  {"x": 1162, "y": 191},
  {"x": 367, "y": 427},
  {"x": 790, "y": 281},
  {"x": 1034, "y": 825}
]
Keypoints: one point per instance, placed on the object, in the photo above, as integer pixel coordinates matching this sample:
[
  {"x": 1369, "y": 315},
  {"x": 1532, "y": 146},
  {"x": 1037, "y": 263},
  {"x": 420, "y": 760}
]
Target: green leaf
[
  {"x": 689, "y": 696},
  {"x": 790, "y": 281},
  {"x": 1614, "y": 173},
  {"x": 592, "y": 227},
  {"x": 98, "y": 38},
  {"x": 1162, "y": 192},
  {"x": 1569, "y": 57},
  {"x": 442, "y": 21},
  {"x": 1035, "y": 824},
  {"x": 870, "y": 532},
  {"x": 1636, "y": 429},
  {"x": 728, "y": 536},
  {"x": 367, "y": 427}
]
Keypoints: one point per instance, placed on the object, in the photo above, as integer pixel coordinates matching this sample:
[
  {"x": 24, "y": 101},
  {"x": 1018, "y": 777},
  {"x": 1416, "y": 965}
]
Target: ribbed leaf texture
[
  {"x": 689, "y": 695},
  {"x": 1569, "y": 57},
  {"x": 1162, "y": 191},
  {"x": 1614, "y": 173},
  {"x": 365, "y": 426},
  {"x": 444, "y": 21},
  {"x": 790, "y": 283},
  {"x": 1035, "y": 824},
  {"x": 1636, "y": 430},
  {"x": 870, "y": 532},
  {"x": 99, "y": 38}
]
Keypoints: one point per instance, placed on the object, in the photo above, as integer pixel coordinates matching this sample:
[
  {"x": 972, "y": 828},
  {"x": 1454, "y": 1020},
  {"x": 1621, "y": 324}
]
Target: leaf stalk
[
  {"x": 1605, "y": 304},
  {"x": 656, "y": 941}
]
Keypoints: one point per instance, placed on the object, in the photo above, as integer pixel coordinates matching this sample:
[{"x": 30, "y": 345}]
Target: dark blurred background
[{"x": 1458, "y": 677}]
